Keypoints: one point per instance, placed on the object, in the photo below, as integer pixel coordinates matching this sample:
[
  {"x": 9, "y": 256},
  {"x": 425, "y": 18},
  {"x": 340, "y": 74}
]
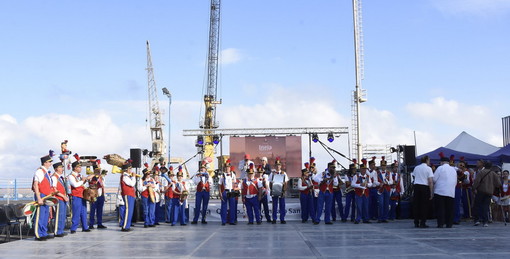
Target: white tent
[{"x": 469, "y": 144}]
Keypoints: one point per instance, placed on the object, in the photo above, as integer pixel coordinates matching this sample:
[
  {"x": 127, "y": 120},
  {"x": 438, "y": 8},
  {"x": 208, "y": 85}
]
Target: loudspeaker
[
  {"x": 136, "y": 155},
  {"x": 410, "y": 155}
]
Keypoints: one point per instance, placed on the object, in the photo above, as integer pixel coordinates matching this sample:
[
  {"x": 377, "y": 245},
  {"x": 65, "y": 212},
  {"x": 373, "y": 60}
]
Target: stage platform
[{"x": 397, "y": 239}]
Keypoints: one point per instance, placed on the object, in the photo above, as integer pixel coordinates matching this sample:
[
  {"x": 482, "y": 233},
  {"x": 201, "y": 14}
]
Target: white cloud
[
  {"x": 473, "y": 7},
  {"x": 230, "y": 56}
]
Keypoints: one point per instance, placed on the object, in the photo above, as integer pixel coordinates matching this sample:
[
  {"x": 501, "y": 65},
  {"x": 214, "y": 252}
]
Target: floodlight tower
[{"x": 358, "y": 95}]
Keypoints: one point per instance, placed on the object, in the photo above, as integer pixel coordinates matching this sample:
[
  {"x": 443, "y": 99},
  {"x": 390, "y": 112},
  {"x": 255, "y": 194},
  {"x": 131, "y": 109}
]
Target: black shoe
[
  {"x": 168, "y": 222},
  {"x": 259, "y": 222},
  {"x": 356, "y": 222},
  {"x": 384, "y": 221},
  {"x": 441, "y": 226},
  {"x": 424, "y": 226},
  {"x": 344, "y": 220},
  {"x": 329, "y": 223},
  {"x": 183, "y": 224},
  {"x": 379, "y": 221},
  {"x": 193, "y": 222},
  {"x": 41, "y": 239},
  {"x": 125, "y": 230},
  {"x": 316, "y": 223},
  {"x": 86, "y": 230},
  {"x": 73, "y": 231},
  {"x": 204, "y": 222},
  {"x": 274, "y": 222},
  {"x": 156, "y": 223},
  {"x": 334, "y": 219},
  {"x": 448, "y": 226},
  {"x": 250, "y": 223},
  {"x": 172, "y": 224},
  {"x": 269, "y": 221},
  {"x": 91, "y": 226},
  {"x": 223, "y": 224},
  {"x": 145, "y": 226},
  {"x": 101, "y": 226},
  {"x": 152, "y": 226},
  {"x": 283, "y": 222},
  {"x": 232, "y": 224},
  {"x": 366, "y": 222},
  {"x": 49, "y": 237},
  {"x": 456, "y": 223},
  {"x": 59, "y": 235},
  {"x": 303, "y": 221}
]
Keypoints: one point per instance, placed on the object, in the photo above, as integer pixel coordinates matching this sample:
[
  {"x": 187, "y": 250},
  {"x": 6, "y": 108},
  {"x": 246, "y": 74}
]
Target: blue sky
[{"x": 76, "y": 70}]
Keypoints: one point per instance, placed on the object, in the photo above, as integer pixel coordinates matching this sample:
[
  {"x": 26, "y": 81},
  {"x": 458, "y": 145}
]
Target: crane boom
[
  {"x": 156, "y": 124},
  {"x": 210, "y": 97}
]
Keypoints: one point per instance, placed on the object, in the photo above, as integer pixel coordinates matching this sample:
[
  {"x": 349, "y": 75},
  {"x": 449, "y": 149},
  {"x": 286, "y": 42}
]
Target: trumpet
[{"x": 348, "y": 190}]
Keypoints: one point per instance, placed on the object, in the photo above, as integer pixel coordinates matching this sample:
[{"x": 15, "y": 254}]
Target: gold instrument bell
[{"x": 116, "y": 170}]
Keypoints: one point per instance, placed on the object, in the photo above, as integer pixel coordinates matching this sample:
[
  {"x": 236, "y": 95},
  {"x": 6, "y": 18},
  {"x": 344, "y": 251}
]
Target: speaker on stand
[{"x": 135, "y": 154}]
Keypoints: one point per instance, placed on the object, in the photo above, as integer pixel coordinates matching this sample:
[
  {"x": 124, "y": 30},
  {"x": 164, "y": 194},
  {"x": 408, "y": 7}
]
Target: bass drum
[{"x": 90, "y": 194}]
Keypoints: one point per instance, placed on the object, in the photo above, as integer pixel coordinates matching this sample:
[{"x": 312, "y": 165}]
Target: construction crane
[
  {"x": 206, "y": 143},
  {"x": 358, "y": 95},
  {"x": 158, "y": 145}
]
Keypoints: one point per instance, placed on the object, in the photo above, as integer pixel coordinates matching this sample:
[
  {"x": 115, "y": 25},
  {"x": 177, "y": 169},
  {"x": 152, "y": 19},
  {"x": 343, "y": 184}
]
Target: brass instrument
[
  {"x": 114, "y": 159},
  {"x": 348, "y": 190},
  {"x": 184, "y": 196},
  {"x": 152, "y": 194}
]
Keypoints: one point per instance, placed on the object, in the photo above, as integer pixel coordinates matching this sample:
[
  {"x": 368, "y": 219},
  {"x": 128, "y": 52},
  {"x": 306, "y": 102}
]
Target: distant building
[{"x": 506, "y": 130}]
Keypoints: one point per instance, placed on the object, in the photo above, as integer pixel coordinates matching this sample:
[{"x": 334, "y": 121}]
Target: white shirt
[
  {"x": 374, "y": 178},
  {"x": 243, "y": 166},
  {"x": 40, "y": 174},
  {"x": 73, "y": 180},
  {"x": 128, "y": 180},
  {"x": 278, "y": 177},
  {"x": 248, "y": 183},
  {"x": 386, "y": 176},
  {"x": 228, "y": 180},
  {"x": 445, "y": 179},
  {"x": 422, "y": 173},
  {"x": 202, "y": 178},
  {"x": 319, "y": 177},
  {"x": 300, "y": 183},
  {"x": 358, "y": 185}
]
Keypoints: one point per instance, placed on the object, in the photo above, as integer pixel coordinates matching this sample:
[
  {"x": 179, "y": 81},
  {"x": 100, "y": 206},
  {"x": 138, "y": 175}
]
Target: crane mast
[
  {"x": 158, "y": 145},
  {"x": 359, "y": 95},
  {"x": 210, "y": 97}
]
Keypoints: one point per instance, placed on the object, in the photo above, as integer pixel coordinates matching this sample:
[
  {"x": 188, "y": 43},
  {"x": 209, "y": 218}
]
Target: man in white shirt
[
  {"x": 445, "y": 179},
  {"x": 226, "y": 184},
  {"x": 278, "y": 182},
  {"x": 204, "y": 183},
  {"x": 373, "y": 199},
  {"x": 244, "y": 165},
  {"x": 423, "y": 192}
]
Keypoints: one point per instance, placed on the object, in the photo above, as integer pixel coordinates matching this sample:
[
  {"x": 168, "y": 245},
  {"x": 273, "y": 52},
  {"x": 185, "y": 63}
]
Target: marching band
[{"x": 369, "y": 193}]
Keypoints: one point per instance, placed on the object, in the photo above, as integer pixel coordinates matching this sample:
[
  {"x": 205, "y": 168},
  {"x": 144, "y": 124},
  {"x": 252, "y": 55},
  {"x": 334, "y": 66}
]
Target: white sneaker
[
  {"x": 477, "y": 223},
  {"x": 485, "y": 225}
]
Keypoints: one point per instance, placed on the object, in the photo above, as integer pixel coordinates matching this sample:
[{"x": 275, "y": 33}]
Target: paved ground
[{"x": 292, "y": 240}]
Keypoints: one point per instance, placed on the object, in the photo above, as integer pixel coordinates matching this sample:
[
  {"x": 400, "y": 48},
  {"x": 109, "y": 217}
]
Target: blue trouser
[
  {"x": 362, "y": 208},
  {"x": 252, "y": 206},
  {"x": 159, "y": 212},
  {"x": 466, "y": 202},
  {"x": 306, "y": 206},
  {"x": 324, "y": 203},
  {"x": 392, "y": 214},
  {"x": 349, "y": 202},
  {"x": 126, "y": 211},
  {"x": 265, "y": 205},
  {"x": 279, "y": 202},
  {"x": 169, "y": 215},
  {"x": 179, "y": 211},
  {"x": 373, "y": 199},
  {"x": 456, "y": 204},
  {"x": 60, "y": 217},
  {"x": 79, "y": 214},
  {"x": 42, "y": 215},
  {"x": 201, "y": 203},
  {"x": 337, "y": 197},
  {"x": 230, "y": 202},
  {"x": 96, "y": 208},
  {"x": 235, "y": 211},
  {"x": 149, "y": 216},
  {"x": 384, "y": 205}
]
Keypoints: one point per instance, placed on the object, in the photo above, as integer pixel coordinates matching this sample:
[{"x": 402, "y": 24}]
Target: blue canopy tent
[
  {"x": 468, "y": 157},
  {"x": 502, "y": 155}
]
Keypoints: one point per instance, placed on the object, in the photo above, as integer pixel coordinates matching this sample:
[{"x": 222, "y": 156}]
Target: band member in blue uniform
[
  {"x": 148, "y": 198},
  {"x": 397, "y": 189},
  {"x": 42, "y": 187},
  {"x": 385, "y": 180},
  {"x": 169, "y": 194},
  {"x": 250, "y": 194},
  {"x": 96, "y": 207},
  {"x": 127, "y": 187},
  {"x": 79, "y": 207},
  {"x": 61, "y": 209},
  {"x": 264, "y": 196},
  {"x": 202, "y": 196},
  {"x": 305, "y": 187},
  {"x": 326, "y": 182},
  {"x": 278, "y": 183},
  {"x": 350, "y": 203},
  {"x": 179, "y": 201},
  {"x": 228, "y": 195},
  {"x": 337, "y": 196},
  {"x": 373, "y": 199},
  {"x": 361, "y": 183}
]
